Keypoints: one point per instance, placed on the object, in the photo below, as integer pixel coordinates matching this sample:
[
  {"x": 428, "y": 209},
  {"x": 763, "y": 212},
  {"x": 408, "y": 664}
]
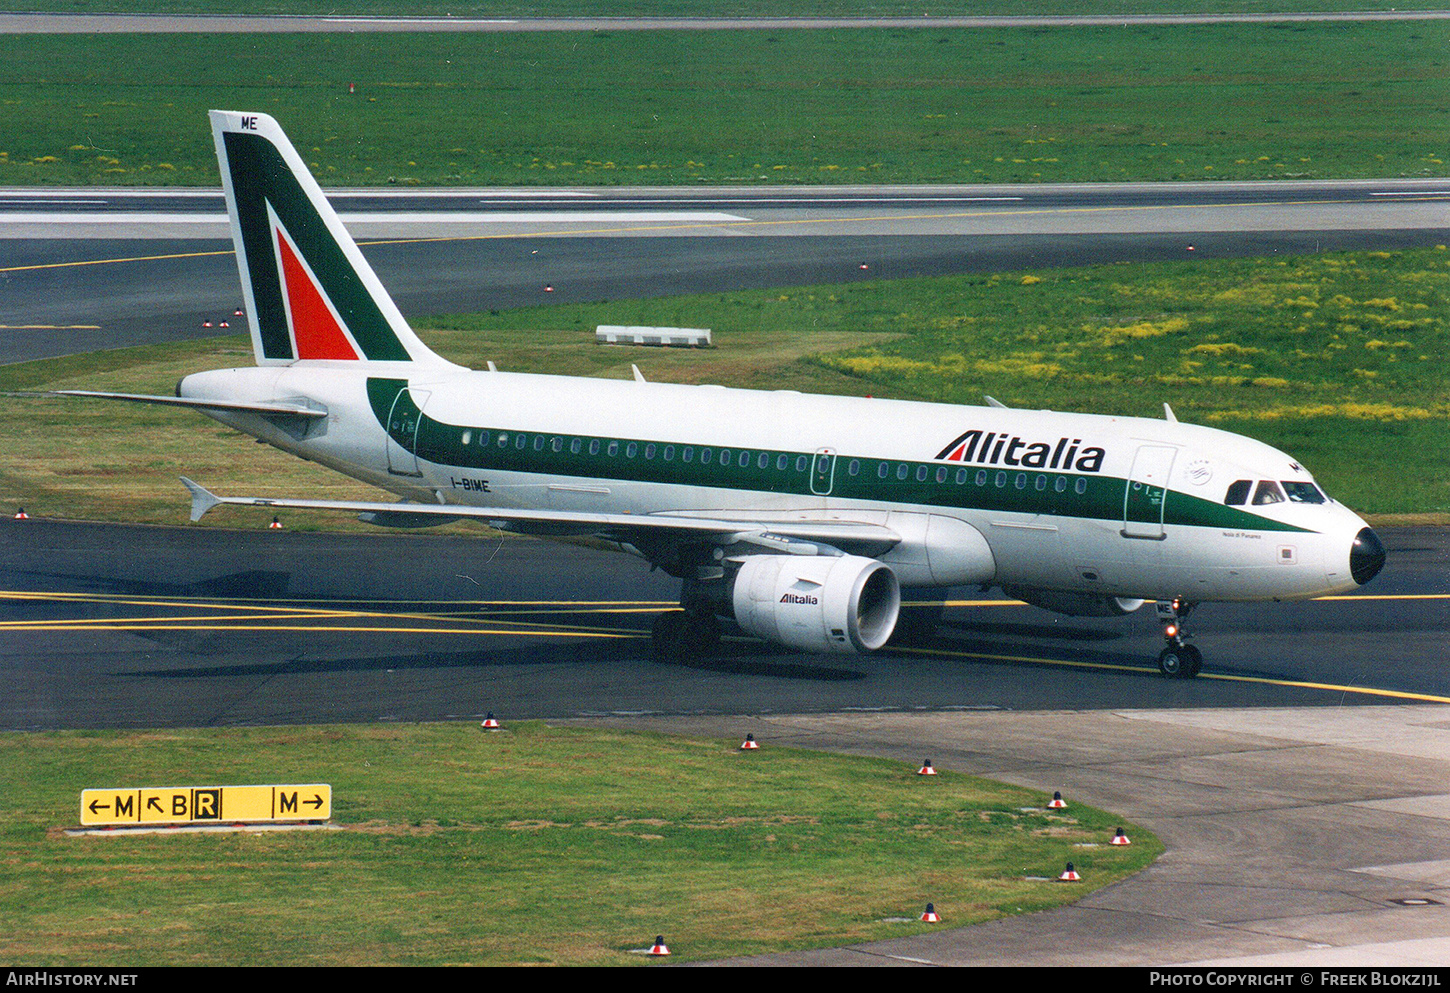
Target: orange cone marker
[
  {"x": 659, "y": 947},
  {"x": 1069, "y": 875},
  {"x": 490, "y": 722},
  {"x": 1058, "y": 803},
  {"x": 930, "y": 916},
  {"x": 926, "y": 769},
  {"x": 1121, "y": 838},
  {"x": 749, "y": 744}
]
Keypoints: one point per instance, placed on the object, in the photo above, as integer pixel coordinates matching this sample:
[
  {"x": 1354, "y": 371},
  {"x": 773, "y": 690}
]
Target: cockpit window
[
  {"x": 1267, "y": 493},
  {"x": 1303, "y": 492},
  {"x": 1238, "y": 493}
]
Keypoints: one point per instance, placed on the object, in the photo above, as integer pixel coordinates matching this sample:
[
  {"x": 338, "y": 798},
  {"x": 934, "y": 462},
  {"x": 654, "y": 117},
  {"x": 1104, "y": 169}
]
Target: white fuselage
[{"x": 1080, "y": 503}]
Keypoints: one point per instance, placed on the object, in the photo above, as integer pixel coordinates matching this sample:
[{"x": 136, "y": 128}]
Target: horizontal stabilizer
[
  {"x": 617, "y": 527},
  {"x": 276, "y": 408}
]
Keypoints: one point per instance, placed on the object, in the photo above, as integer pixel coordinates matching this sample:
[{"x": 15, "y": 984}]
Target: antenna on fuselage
[
  {"x": 994, "y": 402},
  {"x": 1168, "y": 413}
]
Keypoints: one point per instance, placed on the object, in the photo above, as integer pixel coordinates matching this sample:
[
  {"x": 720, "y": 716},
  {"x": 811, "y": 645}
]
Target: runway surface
[
  {"x": 117, "y": 626},
  {"x": 84, "y": 269}
]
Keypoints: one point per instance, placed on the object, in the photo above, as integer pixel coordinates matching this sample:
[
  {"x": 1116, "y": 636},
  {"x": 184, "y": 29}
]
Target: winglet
[{"x": 202, "y": 499}]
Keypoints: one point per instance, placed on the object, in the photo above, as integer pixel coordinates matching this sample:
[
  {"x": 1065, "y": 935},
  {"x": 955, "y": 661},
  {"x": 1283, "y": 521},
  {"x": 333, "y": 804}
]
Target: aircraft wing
[
  {"x": 276, "y": 408},
  {"x": 857, "y": 537}
]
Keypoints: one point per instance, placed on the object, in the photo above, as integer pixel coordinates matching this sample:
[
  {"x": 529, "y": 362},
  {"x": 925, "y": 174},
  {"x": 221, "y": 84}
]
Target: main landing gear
[{"x": 1179, "y": 660}]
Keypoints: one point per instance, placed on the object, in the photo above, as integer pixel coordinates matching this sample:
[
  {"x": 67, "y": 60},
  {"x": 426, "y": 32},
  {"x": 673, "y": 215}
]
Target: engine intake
[{"x": 843, "y": 603}]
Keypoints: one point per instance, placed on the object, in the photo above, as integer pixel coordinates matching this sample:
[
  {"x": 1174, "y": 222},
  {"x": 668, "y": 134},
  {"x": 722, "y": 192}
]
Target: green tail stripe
[{"x": 260, "y": 176}]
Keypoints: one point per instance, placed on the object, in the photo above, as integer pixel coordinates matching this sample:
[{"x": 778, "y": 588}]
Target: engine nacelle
[
  {"x": 1075, "y": 604},
  {"x": 817, "y": 603}
]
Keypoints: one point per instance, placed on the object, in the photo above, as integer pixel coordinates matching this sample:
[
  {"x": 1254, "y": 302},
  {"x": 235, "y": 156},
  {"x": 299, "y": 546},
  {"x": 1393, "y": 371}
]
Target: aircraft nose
[{"x": 1366, "y": 556}]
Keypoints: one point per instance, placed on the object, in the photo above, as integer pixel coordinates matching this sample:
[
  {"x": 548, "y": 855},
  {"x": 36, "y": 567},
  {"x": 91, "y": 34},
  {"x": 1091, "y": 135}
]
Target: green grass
[
  {"x": 837, "y": 106},
  {"x": 1338, "y": 359},
  {"x": 696, "y": 8},
  {"x": 526, "y": 846}
]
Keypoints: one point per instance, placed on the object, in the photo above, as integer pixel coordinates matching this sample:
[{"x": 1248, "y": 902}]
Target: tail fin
[{"x": 309, "y": 292}]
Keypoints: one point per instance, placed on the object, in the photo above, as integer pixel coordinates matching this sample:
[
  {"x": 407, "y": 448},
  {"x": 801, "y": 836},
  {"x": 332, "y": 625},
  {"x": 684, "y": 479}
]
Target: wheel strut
[{"x": 1178, "y": 660}]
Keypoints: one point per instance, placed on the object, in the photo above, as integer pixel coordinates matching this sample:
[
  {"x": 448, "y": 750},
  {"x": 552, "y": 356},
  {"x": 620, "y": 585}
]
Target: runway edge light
[
  {"x": 926, "y": 769},
  {"x": 749, "y": 744},
  {"x": 490, "y": 723},
  {"x": 1069, "y": 875},
  {"x": 1058, "y": 803},
  {"x": 1120, "y": 838},
  {"x": 930, "y": 915},
  {"x": 659, "y": 947}
]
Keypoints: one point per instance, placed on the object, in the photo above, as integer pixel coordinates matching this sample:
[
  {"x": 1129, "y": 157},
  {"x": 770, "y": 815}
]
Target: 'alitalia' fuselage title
[{"x": 993, "y": 448}]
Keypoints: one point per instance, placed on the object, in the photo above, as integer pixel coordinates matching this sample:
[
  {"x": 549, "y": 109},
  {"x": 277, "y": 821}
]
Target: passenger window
[
  {"x": 594, "y": 446},
  {"x": 902, "y": 470},
  {"x": 921, "y": 472},
  {"x": 854, "y": 467},
  {"x": 801, "y": 463},
  {"x": 1303, "y": 492},
  {"x": 883, "y": 470},
  {"x": 630, "y": 450},
  {"x": 1267, "y": 493},
  {"x": 574, "y": 446},
  {"x": 1080, "y": 487},
  {"x": 612, "y": 450},
  {"x": 1238, "y": 493},
  {"x": 649, "y": 451},
  {"x": 941, "y": 474}
]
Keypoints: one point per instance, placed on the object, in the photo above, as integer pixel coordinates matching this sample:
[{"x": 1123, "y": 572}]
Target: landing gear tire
[
  {"x": 679, "y": 634},
  {"x": 1180, "y": 661}
]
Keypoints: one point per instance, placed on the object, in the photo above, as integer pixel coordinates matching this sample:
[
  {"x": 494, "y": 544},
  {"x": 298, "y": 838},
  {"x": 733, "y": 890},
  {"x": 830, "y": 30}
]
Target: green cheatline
[{"x": 526, "y": 845}]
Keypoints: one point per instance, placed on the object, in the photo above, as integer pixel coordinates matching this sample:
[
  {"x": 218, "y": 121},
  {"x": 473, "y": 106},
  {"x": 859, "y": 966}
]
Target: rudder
[{"x": 310, "y": 294}]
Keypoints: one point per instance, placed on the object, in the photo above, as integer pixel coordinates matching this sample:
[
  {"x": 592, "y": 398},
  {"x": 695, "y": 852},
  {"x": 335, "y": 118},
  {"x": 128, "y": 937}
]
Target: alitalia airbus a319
[{"x": 798, "y": 517}]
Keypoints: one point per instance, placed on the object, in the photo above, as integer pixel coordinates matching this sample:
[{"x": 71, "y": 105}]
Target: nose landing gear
[{"x": 1179, "y": 660}]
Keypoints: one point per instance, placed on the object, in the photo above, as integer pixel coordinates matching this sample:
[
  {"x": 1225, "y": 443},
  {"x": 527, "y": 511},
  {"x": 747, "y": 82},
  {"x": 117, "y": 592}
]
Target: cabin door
[
  {"x": 402, "y": 441},
  {"x": 1146, "y": 496}
]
